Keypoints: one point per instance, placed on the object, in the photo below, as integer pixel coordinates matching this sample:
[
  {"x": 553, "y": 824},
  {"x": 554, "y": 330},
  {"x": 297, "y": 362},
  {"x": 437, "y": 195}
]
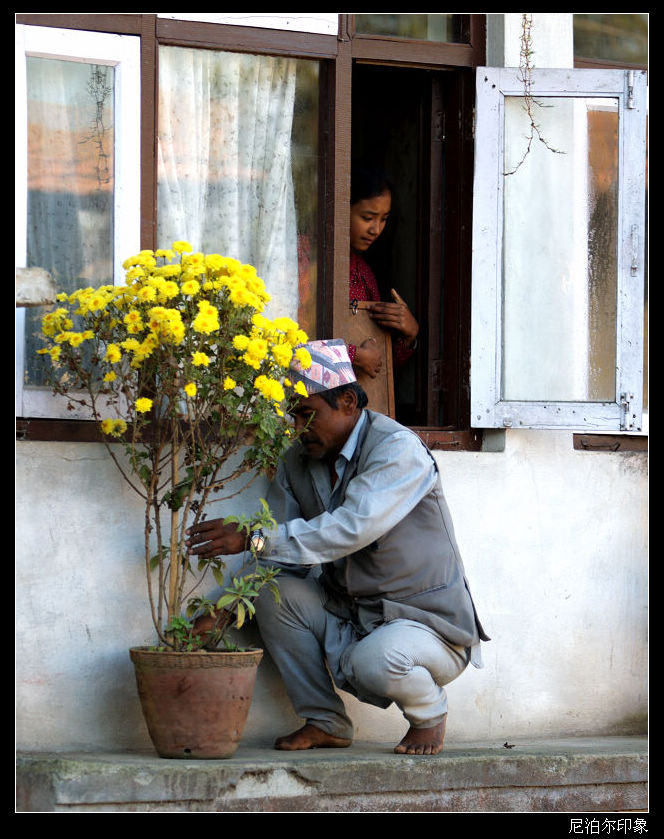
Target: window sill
[
  {"x": 58, "y": 430},
  {"x": 438, "y": 439},
  {"x": 82, "y": 431}
]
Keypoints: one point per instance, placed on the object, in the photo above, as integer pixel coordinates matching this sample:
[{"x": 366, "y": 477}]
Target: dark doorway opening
[{"x": 397, "y": 126}]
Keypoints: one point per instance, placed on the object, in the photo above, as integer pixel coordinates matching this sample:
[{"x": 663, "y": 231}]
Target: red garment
[{"x": 362, "y": 285}]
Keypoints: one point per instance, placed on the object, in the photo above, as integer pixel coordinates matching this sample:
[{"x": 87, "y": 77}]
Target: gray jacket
[{"x": 412, "y": 571}]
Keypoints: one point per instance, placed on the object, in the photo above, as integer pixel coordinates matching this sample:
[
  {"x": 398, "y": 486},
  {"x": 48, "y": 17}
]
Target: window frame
[
  {"x": 452, "y": 373},
  {"x": 123, "y": 54},
  {"x": 488, "y": 409}
]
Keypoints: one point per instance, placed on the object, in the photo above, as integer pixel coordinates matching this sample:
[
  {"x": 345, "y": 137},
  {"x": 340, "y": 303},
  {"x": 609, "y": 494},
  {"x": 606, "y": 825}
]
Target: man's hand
[
  {"x": 368, "y": 358},
  {"x": 214, "y": 538},
  {"x": 396, "y": 316}
]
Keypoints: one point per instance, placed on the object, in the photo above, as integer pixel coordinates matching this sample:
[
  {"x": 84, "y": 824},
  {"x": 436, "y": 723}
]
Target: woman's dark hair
[
  {"x": 332, "y": 396},
  {"x": 367, "y": 182}
]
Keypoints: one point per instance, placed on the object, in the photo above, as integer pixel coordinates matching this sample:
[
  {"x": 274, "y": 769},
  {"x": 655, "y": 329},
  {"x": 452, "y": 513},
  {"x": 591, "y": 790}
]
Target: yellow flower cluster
[
  {"x": 207, "y": 319},
  {"x": 275, "y": 339},
  {"x": 270, "y": 388},
  {"x": 187, "y": 305},
  {"x": 114, "y": 427}
]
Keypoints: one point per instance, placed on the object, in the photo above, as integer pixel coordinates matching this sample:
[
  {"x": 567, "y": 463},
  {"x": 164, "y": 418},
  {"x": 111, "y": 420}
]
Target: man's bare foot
[
  {"x": 423, "y": 741},
  {"x": 310, "y": 737}
]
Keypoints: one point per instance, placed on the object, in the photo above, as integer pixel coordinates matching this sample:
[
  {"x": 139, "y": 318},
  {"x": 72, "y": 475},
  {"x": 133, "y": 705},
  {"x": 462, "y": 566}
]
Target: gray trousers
[{"x": 401, "y": 661}]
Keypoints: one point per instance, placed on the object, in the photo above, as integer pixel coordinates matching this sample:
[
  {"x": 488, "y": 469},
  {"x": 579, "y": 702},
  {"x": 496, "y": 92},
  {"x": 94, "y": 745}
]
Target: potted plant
[{"x": 188, "y": 381}]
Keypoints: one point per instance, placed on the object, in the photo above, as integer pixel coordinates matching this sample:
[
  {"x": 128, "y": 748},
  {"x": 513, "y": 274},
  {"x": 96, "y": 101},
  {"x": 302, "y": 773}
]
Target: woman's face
[{"x": 368, "y": 218}]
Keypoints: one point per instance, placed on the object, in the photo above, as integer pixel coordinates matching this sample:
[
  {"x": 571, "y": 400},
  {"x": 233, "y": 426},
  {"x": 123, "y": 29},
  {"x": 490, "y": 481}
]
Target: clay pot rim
[
  {"x": 197, "y": 659},
  {"x": 151, "y": 649}
]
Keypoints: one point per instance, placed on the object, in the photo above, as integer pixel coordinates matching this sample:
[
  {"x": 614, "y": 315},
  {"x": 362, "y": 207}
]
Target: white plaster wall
[{"x": 554, "y": 542}]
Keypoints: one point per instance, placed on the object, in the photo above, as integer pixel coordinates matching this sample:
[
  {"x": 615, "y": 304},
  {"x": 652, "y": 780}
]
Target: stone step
[{"x": 575, "y": 775}]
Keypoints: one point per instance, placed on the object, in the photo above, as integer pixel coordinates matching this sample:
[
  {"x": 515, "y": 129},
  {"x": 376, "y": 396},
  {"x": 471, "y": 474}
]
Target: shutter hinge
[
  {"x": 627, "y": 420},
  {"x": 630, "y": 88}
]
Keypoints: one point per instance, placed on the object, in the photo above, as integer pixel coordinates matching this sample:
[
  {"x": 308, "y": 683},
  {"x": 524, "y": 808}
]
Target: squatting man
[{"x": 373, "y": 593}]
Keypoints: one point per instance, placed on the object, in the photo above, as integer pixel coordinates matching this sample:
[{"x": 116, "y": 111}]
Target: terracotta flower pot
[{"x": 195, "y": 704}]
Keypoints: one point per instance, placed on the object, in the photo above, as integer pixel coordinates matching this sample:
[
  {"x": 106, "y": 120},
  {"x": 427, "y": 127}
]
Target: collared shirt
[
  {"x": 321, "y": 474},
  {"x": 393, "y": 482}
]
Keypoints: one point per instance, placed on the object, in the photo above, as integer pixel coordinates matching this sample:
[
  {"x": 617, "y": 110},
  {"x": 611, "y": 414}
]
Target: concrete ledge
[{"x": 573, "y": 775}]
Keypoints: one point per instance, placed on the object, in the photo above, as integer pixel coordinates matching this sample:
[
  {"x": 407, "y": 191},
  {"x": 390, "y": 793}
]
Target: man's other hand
[{"x": 214, "y": 538}]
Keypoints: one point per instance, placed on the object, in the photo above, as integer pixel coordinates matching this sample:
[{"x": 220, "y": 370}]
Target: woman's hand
[
  {"x": 214, "y": 538},
  {"x": 396, "y": 317},
  {"x": 368, "y": 358}
]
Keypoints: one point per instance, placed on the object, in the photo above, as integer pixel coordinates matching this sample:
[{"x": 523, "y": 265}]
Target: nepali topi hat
[{"x": 330, "y": 366}]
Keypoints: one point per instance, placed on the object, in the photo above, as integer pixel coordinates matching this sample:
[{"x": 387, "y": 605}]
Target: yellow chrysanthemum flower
[
  {"x": 239, "y": 296},
  {"x": 304, "y": 357},
  {"x": 110, "y": 377},
  {"x": 190, "y": 389},
  {"x": 75, "y": 338},
  {"x": 269, "y": 388},
  {"x": 115, "y": 427},
  {"x": 169, "y": 289},
  {"x": 133, "y": 321},
  {"x": 207, "y": 319},
  {"x": 182, "y": 247},
  {"x": 113, "y": 353},
  {"x": 240, "y": 342},
  {"x": 200, "y": 359},
  {"x": 282, "y": 354},
  {"x": 146, "y": 294},
  {"x": 300, "y": 389},
  {"x": 205, "y": 323},
  {"x": 229, "y": 383},
  {"x": 285, "y": 324},
  {"x": 135, "y": 273},
  {"x": 190, "y": 287},
  {"x": 143, "y": 404},
  {"x": 54, "y": 352}
]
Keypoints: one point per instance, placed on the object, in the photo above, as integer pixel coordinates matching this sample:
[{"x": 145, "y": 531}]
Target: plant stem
[{"x": 174, "y": 560}]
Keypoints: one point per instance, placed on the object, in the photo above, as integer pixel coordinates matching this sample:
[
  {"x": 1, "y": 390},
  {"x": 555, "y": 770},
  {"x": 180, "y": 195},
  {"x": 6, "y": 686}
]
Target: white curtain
[{"x": 224, "y": 158}]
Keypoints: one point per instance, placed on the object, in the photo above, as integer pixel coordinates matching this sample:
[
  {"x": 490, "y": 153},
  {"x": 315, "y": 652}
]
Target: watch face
[{"x": 257, "y": 542}]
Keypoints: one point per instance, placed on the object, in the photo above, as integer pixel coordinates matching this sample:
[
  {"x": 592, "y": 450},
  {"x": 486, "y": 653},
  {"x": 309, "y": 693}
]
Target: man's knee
[
  {"x": 297, "y": 596},
  {"x": 374, "y": 666}
]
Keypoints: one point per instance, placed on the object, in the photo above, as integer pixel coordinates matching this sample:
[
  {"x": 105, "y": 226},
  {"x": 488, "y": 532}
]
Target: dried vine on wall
[{"x": 526, "y": 77}]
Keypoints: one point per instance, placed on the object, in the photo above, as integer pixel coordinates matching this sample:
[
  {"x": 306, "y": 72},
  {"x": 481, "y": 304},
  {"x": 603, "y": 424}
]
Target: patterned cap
[{"x": 330, "y": 366}]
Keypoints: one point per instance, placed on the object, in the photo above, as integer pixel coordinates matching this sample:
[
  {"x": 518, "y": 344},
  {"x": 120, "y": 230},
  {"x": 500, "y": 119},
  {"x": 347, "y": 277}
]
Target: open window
[{"x": 559, "y": 250}]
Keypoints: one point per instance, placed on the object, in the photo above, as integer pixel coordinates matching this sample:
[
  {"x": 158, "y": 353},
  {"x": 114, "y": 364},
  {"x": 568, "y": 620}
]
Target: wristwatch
[{"x": 257, "y": 541}]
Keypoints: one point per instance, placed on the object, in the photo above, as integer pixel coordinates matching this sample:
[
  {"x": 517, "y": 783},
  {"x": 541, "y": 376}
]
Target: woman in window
[{"x": 370, "y": 206}]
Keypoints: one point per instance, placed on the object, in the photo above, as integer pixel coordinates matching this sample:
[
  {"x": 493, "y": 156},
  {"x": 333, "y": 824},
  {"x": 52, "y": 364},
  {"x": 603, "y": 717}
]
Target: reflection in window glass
[
  {"x": 560, "y": 270},
  {"x": 442, "y": 28},
  {"x": 238, "y": 151},
  {"x": 615, "y": 38},
  {"x": 70, "y": 182}
]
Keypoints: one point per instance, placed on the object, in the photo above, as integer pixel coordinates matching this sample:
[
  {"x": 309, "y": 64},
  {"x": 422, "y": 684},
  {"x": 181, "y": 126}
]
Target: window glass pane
[
  {"x": 560, "y": 271},
  {"x": 70, "y": 182},
  {"x": 442, "y": 28},
  {"x": 616, "y": 38},
  {"x": 238, "y": 151}
]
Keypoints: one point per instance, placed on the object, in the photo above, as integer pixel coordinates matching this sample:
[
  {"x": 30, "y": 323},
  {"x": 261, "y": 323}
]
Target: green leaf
[
  {"x": 226, "y": 600},
  {"x": 240, "y": 615}
]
